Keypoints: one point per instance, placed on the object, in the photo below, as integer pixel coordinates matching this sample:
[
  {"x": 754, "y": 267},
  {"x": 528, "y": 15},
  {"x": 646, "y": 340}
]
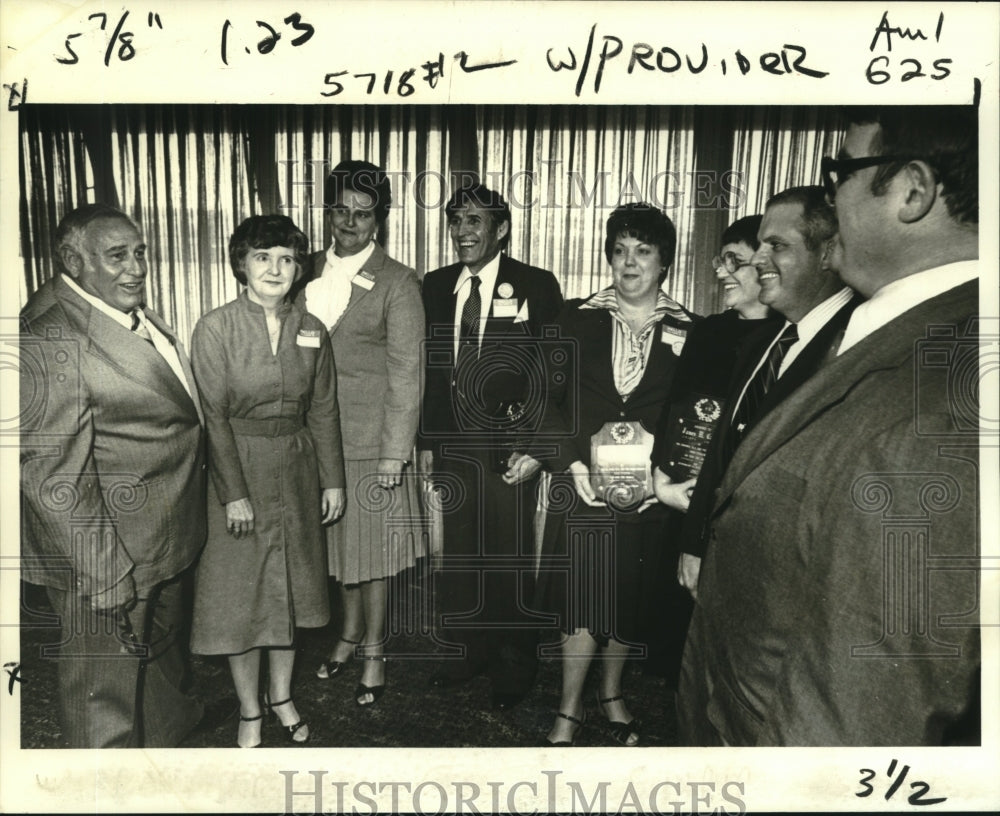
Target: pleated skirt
[{"x": 382, "y": 532}]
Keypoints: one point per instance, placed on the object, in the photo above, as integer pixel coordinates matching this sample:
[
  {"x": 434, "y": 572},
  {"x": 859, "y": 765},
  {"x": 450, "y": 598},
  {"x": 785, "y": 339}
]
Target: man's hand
[
  {"x": 390, "y": 473},
  {"x": 121, "y": 594},
  {"x": 688, "y": 568},
  {"x": 581, "y": 481},
  {"x": 239, "y": 518},
  {"x": 332, "y": 503},
  {"x": 521, "y": 467},
  {"x": 673, "y": 494},
  {"x": 425, "y": 463}
]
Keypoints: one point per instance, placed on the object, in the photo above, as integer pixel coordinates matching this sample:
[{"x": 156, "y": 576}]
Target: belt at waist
[{"x": 283, "y": 426}]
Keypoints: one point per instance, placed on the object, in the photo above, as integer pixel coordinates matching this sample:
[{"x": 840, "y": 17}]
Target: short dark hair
[
  {"x": 743, "y": 231},
  {"x": 74, "y": 224},
  {"x": 485, "y": 198},
  {"x": 819, "y": 218},
  {"x": 642, "y": 221},
  {"x": 944, "y": 136},
  {"x": 361, "y": 177},
  {"x": 264, "y": 232}
]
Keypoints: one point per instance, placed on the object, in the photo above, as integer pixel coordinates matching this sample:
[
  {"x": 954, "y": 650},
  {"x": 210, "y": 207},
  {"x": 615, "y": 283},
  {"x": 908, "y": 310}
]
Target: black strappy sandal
[
  {"x": 578, "y": 724},
  {"x": 331, "y": 668},
  {"x": 290, "y": 730},
  {"x": 624, "y": 733},
  {"x": 248, "y": 719}
]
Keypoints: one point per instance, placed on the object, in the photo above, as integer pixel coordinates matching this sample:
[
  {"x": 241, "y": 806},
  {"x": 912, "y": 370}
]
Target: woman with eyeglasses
[{"x": 704, "y": 372}]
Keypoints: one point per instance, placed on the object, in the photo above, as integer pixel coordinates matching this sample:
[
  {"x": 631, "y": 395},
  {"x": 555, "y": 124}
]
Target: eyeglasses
[
  {"x": 837, "y": 171},
  {"x": 731, "y": 261}
]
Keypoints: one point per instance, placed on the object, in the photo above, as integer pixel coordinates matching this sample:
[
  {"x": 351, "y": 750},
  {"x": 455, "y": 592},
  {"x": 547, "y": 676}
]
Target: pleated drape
[{"x": 189, "y": 174}]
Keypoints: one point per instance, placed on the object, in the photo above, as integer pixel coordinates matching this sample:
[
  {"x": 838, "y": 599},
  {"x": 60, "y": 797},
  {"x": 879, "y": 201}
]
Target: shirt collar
[
  {"x": 817, "y": 317},
  {"x": 120, "y": 317},
  {"x": 488, "y": 276},
  {"x": 608, "y": 299},
  {"x": 903, "y": 294}
]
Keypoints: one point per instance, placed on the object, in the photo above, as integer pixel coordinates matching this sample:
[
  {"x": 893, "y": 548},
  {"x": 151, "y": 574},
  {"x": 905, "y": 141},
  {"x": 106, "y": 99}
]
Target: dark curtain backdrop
[{"x": 188, "y": 174}]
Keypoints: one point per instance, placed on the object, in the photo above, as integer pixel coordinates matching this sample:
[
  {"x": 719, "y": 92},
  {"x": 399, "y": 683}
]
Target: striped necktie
[
  {"x": 139, "y": 327},
  {"x": 762, "y": 380},
  {"x": 468, "y": 332}
]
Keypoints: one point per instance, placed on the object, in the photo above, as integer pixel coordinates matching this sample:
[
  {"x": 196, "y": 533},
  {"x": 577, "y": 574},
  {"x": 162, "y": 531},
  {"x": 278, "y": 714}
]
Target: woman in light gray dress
[{"x": 268, "y": 388}]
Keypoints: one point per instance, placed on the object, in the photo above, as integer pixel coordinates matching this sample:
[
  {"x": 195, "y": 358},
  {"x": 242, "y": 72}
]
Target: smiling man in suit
[
  {"x": 796, "y": 269},
  {"x": 838, "y": 601},
  {"x": 483, "y": 401},
  {"x": 113, "y": 485}
]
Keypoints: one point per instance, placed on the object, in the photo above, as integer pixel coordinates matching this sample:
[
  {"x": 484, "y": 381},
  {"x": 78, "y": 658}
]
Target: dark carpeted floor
[{"x": 410, "y": 714}]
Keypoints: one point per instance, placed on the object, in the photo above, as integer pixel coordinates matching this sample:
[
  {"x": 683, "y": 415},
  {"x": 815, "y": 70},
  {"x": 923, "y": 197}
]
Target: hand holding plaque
[
  {"x": 620, "y": 470},
  {"x": 691, "y": 423}
]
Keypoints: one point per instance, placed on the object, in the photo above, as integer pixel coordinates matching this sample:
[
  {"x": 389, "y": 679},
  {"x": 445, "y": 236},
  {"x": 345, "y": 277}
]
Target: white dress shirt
[
  {"x": 901, "y": 295},
  {"x": 807, "y": 328},
  {"x": 160, "y": 341},
  {"x": 488, "y": 280}
]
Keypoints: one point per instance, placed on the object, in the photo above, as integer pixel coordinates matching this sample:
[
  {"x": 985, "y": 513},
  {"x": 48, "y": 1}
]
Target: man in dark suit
[
  {"x": 798, "y": 279},
  {"x": 839, "y": 601},
  {"x": 113, "y": 485},
  {"x": 483, "y": 402}
]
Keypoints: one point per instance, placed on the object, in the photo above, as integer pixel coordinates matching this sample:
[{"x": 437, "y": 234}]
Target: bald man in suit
[{"x": 112, "y": 484}]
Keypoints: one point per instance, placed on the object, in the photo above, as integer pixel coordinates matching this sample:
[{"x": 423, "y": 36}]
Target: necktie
[
  {"x": 139, "y": 327},
  {"x": 468, "y": 332},
  {"x": 762, "y": 380}
]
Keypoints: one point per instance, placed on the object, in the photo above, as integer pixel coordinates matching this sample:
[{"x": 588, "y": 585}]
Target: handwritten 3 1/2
[{"x": 790, "y": 59}]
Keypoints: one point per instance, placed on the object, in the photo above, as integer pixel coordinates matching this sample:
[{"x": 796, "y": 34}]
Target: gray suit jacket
[
  {"x": 838, "y": 601},
  {"x": 377, "y": 350},
  {"x": 112, "y": 461}
]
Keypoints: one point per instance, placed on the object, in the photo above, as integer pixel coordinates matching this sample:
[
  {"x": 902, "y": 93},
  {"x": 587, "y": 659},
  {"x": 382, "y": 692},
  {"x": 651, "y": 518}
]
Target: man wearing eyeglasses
[{"x": 839, "y": 596}]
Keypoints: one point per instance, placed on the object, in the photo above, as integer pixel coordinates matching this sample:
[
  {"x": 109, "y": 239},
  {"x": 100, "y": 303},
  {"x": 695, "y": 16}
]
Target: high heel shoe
[
  {"x": 577, "y": 725},
  {"x": 243, "y": 720},
  {"x": 375, "y": 691},
  {"x": 293, "y": 730},
  {"x": 331, "y": 668},
  {"x": 624, "y": 733}
]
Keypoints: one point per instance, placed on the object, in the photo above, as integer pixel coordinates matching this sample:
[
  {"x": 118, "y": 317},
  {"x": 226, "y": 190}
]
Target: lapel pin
[{"x": 505, "y": 290}]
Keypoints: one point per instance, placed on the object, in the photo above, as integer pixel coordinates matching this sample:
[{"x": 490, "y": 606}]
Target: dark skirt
[{"x": 609, "y": 573}]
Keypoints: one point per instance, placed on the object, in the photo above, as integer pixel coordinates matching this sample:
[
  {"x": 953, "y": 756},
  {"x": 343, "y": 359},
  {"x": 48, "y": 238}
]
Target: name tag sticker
[
  {"x": 364, "y": 279},
  {"x": 504, "y": 307},
  {"x": 674, "y": 338},
  {"x": 308, "y": 338}
]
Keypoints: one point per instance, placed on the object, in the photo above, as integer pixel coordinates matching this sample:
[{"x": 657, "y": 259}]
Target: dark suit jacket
[
  {"x": 583, "y": 393},
  {"x": 838, "y": 601},
  {"x": 510, "y": 369},
  {"x": 376, "y": 348},
  {"x": 112, "y": 462},
  {"x": 817, "y": 351}
]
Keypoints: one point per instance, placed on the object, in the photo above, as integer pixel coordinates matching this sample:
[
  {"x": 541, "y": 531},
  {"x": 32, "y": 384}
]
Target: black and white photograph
[{"x": 700, "y": 483}]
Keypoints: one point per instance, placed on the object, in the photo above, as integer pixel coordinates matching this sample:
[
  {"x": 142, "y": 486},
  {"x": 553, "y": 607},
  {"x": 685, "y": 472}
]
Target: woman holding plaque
[
  {"x": 371, "y": 307},
  {"x": 603, "y": 552}
]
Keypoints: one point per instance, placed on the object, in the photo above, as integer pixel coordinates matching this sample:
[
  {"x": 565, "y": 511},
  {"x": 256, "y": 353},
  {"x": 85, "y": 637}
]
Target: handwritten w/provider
[{"x": 789, "y": 60}]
